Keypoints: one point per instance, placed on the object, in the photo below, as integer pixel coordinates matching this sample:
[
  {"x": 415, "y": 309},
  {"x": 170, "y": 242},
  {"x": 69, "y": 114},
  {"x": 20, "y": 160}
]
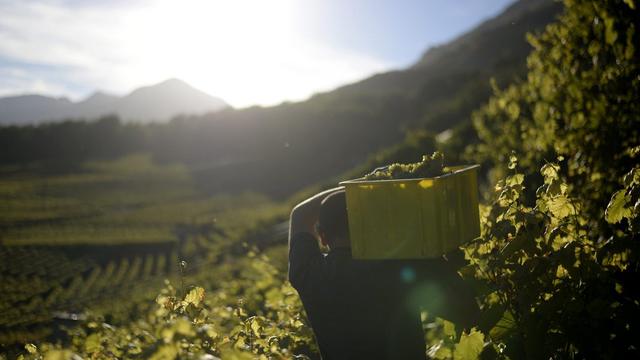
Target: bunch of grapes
[{"x": 430, "y": 166}]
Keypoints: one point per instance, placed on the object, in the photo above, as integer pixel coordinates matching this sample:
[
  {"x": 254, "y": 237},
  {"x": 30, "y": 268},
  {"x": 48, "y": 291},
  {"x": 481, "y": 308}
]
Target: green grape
[{"x": 429, "y": 166}]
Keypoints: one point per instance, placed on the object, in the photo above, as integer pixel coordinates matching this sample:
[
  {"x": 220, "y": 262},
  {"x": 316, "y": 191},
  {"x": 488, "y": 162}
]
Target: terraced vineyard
[
  {"x": 105, "y": 238},
  {"x": 44, "y": 285},
  {"x": 121, "y": 201}
]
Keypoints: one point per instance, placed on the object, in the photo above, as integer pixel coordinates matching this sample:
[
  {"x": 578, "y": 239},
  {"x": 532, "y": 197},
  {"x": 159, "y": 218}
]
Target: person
[{"x": 365, "y": 309}]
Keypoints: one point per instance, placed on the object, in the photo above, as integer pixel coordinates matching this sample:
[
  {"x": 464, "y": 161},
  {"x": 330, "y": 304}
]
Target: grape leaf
[
  {"x": 631, "y": 3},
  {"x": 470, "y": 346},
  {"x": 92, "y": 343},
  {"x": 503, "y": 327},
  {"x": 449, "y": 329},
  {"x": 560, "y": 207},
  {"x": 516, "y": 179},
  {"x": 513, "y": 161},
  {"x": 195, "y": 296},
  {"x": 617, "y": 210},
  {"x": 550, "y": 172},
  {"x": 31, "y": 349}
]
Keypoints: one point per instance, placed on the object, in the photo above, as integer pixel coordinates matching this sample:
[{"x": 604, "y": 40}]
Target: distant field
[{"x": 131, "y": 200}]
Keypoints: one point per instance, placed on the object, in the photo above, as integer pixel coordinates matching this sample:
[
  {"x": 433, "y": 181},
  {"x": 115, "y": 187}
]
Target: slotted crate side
[{"x": 414, "y": 218}]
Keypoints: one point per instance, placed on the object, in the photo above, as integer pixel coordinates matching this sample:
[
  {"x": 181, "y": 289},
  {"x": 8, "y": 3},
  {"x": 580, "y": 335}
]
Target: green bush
[{"x": 559, "y": 248}]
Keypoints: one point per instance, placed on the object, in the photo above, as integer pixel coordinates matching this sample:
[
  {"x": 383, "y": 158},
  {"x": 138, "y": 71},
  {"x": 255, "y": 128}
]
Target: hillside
[
  {"x": 293, "y": 145},
  {"x": 159, "y": 102}
]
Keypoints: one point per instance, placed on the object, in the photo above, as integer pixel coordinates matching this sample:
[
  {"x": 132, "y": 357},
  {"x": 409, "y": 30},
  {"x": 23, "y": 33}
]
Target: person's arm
[
  {"x": 304, "y": 253},
  {"x": 305, "y": 215}
]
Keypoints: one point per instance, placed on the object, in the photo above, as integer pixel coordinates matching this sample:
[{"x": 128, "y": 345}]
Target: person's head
[{"x": 333, "y": 225}]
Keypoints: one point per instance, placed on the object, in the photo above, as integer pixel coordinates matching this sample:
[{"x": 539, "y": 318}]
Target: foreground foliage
[
  {"x": 581, "y": 101},
  {"x": 251, "y": 314},
  {"x": 254, "y": 314},
  {"x": 559, "y": 250},
  {"x": 548, "y": 287}
]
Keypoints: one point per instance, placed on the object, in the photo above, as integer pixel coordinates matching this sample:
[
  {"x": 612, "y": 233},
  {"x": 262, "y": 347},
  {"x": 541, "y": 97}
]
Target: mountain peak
[
  {"x": 173, "y": 82},
  {"x": 99, "y": 97},
  {"x": 169, "y": 85},
  {"x": 172, "y": 96}
]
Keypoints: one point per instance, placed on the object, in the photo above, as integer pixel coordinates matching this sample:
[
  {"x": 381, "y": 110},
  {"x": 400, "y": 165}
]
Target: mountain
[
  {"x": 496, "y": 48},
  {"x": 164, "y": 100},
  {"x": 484, "y": 41},
  {"x": 158, "y": 102},
  {"x": 24, "y": 109}
]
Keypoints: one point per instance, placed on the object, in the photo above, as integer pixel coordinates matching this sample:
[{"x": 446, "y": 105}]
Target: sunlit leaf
[
  {"x": 617, "y": 208},
  {"x": 31, "y": 349},
  {"x": 92, "y": 343},
  {"x": 561, "y": 272},
  {"x": 256, "y": 325},
  {"x": 58, "y": 355},
  {"x": 195, "y": 296},
  {"x": 561, "y": 207},
  {"x": 549, "y": 171},
  {"x": 470, "y": 346},
  {"x": 449, "y": 329},
  {"x": 440, "y": 352},
  {"x": 516, "y": 179},
  {"x": 513, "y": 161},
  {"x": 611, "y": 35}
]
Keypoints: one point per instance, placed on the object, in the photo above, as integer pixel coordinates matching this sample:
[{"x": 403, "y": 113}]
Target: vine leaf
[
  {"x": 470, "y": 346},
  {"x": 631, "y": 4},
  {"x": 516, "y": 179},
  {"x": 560, "y": 207},
  {"x": 617, "y": 210},
  {"x": 31, "y": 349},
  {"x": 513, "y": 161},
  {"x": 503, "y": 327},
  {"x": 92, "y": 343},
  {"x": 195, "y": 296},
  {"x": 550, "y": 172}
]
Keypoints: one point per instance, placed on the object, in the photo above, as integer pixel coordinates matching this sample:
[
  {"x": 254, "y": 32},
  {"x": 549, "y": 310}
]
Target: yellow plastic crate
[{"x": 413, "y": 218}]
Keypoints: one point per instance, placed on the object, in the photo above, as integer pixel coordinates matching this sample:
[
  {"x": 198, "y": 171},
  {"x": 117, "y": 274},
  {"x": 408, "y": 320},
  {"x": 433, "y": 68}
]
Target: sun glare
[
  {"x": 245, "y": 51},
  {"x": 215, "y": 45}
]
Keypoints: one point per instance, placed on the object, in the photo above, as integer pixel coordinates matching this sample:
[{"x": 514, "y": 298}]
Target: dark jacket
[{"x": 357, "y": 309}]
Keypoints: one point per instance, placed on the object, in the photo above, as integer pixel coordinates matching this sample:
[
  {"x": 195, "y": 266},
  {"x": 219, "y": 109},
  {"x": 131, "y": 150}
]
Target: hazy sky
[{"x": 244, "y": 51}]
